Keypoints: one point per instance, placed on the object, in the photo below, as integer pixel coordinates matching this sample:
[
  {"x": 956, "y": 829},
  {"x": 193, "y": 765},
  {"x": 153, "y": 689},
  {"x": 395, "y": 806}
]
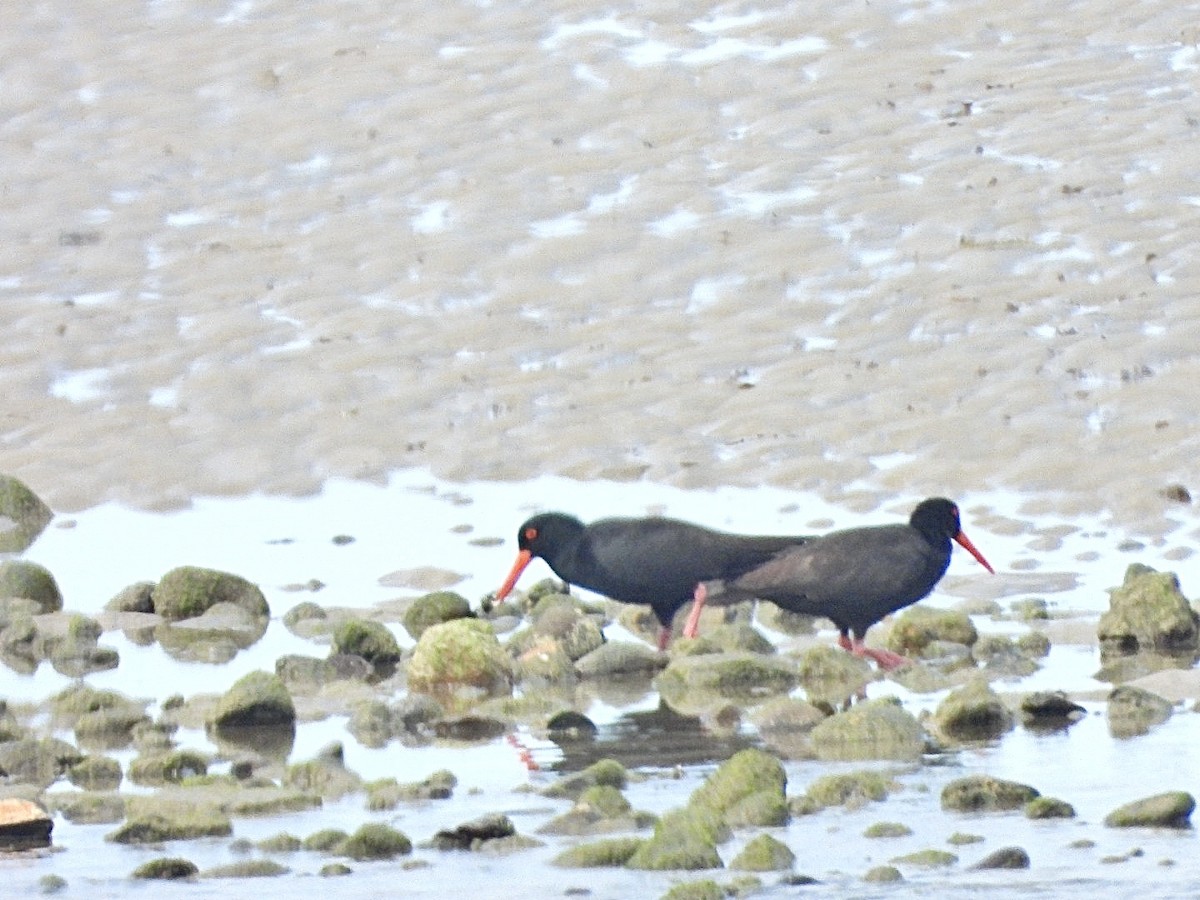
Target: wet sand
[{"x": 860, "y": 250}]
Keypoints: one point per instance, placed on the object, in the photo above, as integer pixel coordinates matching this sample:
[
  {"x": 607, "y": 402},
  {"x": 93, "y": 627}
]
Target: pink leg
[
  {"x": 886, "y": 658},
  {"x": 664, "y": 637},
  {"x": 692, "y": 626},
  {"x": 845, "y": 643}
]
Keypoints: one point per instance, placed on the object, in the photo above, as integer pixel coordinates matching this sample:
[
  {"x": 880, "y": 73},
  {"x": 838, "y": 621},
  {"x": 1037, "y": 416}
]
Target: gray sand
[{"x": 863, "y": 249}]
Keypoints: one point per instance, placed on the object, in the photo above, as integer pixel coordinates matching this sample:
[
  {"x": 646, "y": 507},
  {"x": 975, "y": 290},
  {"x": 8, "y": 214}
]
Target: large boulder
[
  {"x": 1148, "y": 613},
  {"x": 189, "y": 591}
]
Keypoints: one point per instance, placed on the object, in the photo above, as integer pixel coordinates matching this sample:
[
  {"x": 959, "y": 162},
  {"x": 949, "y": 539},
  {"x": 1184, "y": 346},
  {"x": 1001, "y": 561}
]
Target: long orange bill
[
  {"x": 523, "y": 558},
  {"x": 965, "y": 543}
]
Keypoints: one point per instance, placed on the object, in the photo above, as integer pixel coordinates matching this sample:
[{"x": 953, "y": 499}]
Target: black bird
[
  {"x": 660, "y": 562},
  {"x": 857, "y": 576}
]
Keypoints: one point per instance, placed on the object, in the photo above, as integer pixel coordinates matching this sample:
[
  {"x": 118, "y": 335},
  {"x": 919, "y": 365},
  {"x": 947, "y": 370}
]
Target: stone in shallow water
[
  {"x": 1172, "y": 809},
  {"x": 23, "y": 825}
]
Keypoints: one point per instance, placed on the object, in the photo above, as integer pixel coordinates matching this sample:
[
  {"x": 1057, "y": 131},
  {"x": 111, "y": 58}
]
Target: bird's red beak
[
  {"x": 523, "y": 558},
  {"x": 965, "y": 543}
]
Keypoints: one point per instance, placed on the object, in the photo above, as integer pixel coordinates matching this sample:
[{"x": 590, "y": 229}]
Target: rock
[
  {"x": 695, "y": 890},
  {"x": 152, "y": 820},
  {"x": 137, "y": 598},
  {"x": 214, "y": 636},
  {"x": 284, "y": 842},
  {"x": 87, "y": 807},
  {"x": 167, "y": 869},
  {"x": 883, "y": 875},
  {"x": 830, "y": 675},
  {"x": 331, "y": 870},
  {"x": 601, "y": 809},
  {"x": 980, "y": 793},
  {"x": 1169, "y": 810},
  {"x": 375, "y": 840},
  {"x": 683, "y": 839},
  {"x": 255, "y": 700},
  {"x": 1049, "y": 808},
  {"x": 1133, "y": 711},
  {"x": 25, "y": 513},
  {"x": 247, "y": 868},
  {"x": 1148, "y": 613},
  {"x": 373, "y": 641},
  {"x": 171, "y": 767},
  {"x": 433, "y": 609},
  {"x": 308, "y": 672},
  {"x": 850, "y": 789},
  {"x": 325, "y": 775},
  {"x": 611, "y": 852},
  {"x": 545, "y": 661},
  {"x": 96, "y": 773},
  {"x": 306, "y": 619},
  {"x": 877, "y": 729},
  {"x": 324, "y": 841},
  {"x": 749, "y": 775},
  {"x": 388, "y": 793},
  {"x": 24, "y": 825},
  {"x": 617, "y": 658},
  {"x": 1004, "y": 858},
  {"x": 785, "y": 725},
  {"x": 475, "y": 834},
  {"x": 30, "y": 581},
  {"x": 973, "y": 712},
  {"x": 74, "y": 652},
  {"x": 927, "y": 859},
  {"x": 918, "y": 626},
  {"x": 1003, "y": 656},
  {"x": 1050, "y": 710},
  {"x": 887, "y": 830},
  {"x": 463, "y": 653},
  {"x": 51, "y": 884},
  {"x": 764, "y": 853},
  {"x": 604, "y": 772},
  {"x": 692, "y": 684},
  {"x": 37, "y": 761},
  {"x": 188, "y": 591}
]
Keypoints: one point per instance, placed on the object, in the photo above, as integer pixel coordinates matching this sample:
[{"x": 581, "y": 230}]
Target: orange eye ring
[{"x": 531, "y": 534}]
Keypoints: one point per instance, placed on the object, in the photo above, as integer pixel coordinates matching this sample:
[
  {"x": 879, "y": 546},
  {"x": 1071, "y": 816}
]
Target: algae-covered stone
[
  {"x": 388, "y": 793},
  {"x": 620, "y": 658},
  {"x": 1049, "y": 808},
  {"x": 785, "y": 724},
  {"x": 461, "y": 653},
  {"x": 96, "y": 773},
  {"x": 850, "y": 789},
  {"x": 683, "y": 839},
  {"x": 603, "y": 772},
  {"x": 171, "y": 767},
  {"x": 979, "y": 793},
  {"x": 188, "y": 591},
  {"x": 1004, "y": 858},
  {"x": 927, "y": 859},
  {"x": 39, "y": 761},
  {"x": 919, "y": 626},
  {"x": 152, "y": 820},
  {"x": 324, "y": 841},
  {"x": 475, "y": 834},
  {"x": 167, "y": 868},
  {"x": 764, "y": 853},
  {"x": 368, "y": 639},
  {"x": 30, "y": 581},
  {"x": 973, "y": 712},
  {"x": 87, "y": 807},
  {"x": 695, "y": 890},
  {"x": 27, "y": 515},
  {"x": 325, "y": 775},
  {"x": 887, "y": 830},
  {"x": 692, "y": 682},
  {"x": 247, "y": 868},
  {"x": 744, "y": 775},
  {"x": 877, "y": 729},
  {"x": 1133, "y": 711},
  {"x": 136, "y": 598},
  {"x": 1172, "y": 809},
  {"x": 433, "y": 609},
  {"x": 830, "y": 675},
  {"x": 1148, "y": 613},
  {"x": 611, "y": 852},
  {"x": 600, "y": 809},
  {"x": 882, "y": 875},
  {"x": 375, "y": 840},
  {"x": 1050, "y": 710},
  {"x": 256, "y": 699}
]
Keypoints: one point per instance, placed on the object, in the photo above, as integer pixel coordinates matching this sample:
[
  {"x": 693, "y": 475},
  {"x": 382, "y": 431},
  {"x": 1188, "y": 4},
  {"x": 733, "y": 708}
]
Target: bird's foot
[
  {"x": 691, "y": 627},
  {"x": 664, "y": 637},
  {"x": 886, "y": 659}
]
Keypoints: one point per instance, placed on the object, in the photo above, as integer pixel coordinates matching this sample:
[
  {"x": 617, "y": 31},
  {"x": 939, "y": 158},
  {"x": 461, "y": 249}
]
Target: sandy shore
[{"x": 865, "y": 250}]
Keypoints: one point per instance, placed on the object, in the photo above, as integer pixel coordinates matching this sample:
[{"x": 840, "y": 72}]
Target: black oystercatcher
[
  {"x": 857, "y": 576},
  {"x": 660, "y": 562}
]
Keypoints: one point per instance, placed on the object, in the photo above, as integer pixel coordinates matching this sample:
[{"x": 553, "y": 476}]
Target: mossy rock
[
  {"x": 284, "y": 842},
  {"x": 830, "y": 675},
  {"x": 373, "y": 641},
  {"x": 188, "y": 591},
  {"x": 167, "y": 868},
  {"x": 603, "y": 772},
  {"x": 683, "y": 839},
  {"x": 171, "y": 767},
  {"x": 1172, "y": 809},
  {"x": 247, "y": 868},
  {"x": 1004, "y": 858},
  {"x": 1049, "y": 808},
  {"x": 462, "y": 653},
  {"x": 388, "y": 793},
  {"x": 850, "y": 789},
  {"x": 746, "y": 774},
  {"x": 764, "y": 853},
  {"x": 325, "y": 841},
  {"x": 1148, "y": 613},
  {"x": 87, "y": 807},
  {"x": 919, "y": 626},
  {"x": 611, "y": 852},
  {"x": 887, "y": 830},
  {"x": 926, "y": 859},
  {"x": 326, "y": 776},
  {"x": 707, "y": 889},
  {"x": 433, "y": 609},
  {"x": 28, "y": 514},
  {"x": 39, "y": 761},
  {"x": 973, "y": 712},
  {"x": 153, "y": 820},
  {"x": 30, "y": 581},
  {"x": 1133, "y": 711},
  {"x": 693, "y": 683},
  {"x": 256, "y": 699},
  {"x": 877, "y": 729},
  {"x": 883, "y": 875},
  {"x": 96, "y": 773},
  {"x": 983, "y": 793},
  {"x": 620, "y": 659},
  {"x": 375, "y": 840}
]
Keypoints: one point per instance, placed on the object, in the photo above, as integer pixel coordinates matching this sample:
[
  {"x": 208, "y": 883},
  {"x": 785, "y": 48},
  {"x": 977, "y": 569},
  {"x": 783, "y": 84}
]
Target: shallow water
[{"x": 418, "y": 520}]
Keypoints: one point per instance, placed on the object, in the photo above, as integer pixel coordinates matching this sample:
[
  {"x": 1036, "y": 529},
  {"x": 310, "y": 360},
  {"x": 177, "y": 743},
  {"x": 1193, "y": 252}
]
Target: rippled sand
[{"x": 864, "y": 249}]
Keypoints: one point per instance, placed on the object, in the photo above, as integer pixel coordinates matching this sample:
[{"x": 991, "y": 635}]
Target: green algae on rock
[
  {"x": 1133, "y": 711},
  {"x": 433, "y": 609},
  {"x": 463, "y": 653},
  {"x": 930, "y": 858},
  {"x": 256, "y": 699},
  {"x": 375, "y": 840},
  {"x": 697, "y": 683},
  {"x": 25, "y": 511},
  {"x": 1049, "y": 808},
  {"x": 980, "y": 793},
  {"x": 877, "y": 729},
  {"x": 188, "y": 591},
  {"x": 30, "y": 581},
  {"x": 850, "y": 789},
  {"x": 973, "y": 712},
  {"x": 919, "y": 626},
  {"x": 371, "y": 640},
  {"x": 1172, "y": 809},
  {"x": 167, "y": 868},
  {"x": 830, "y": 675},
  {"x": 611, "y": 852},
  {"x": 152, "y": 820},
  {"x": 1148, "y": 613},
  {"x": 247, "y": 868},
  {"x": 764, "y": 853}
]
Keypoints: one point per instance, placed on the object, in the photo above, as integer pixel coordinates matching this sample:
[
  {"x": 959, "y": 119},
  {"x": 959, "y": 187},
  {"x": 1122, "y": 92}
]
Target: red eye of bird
[{"x": 531, "y": 534}]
